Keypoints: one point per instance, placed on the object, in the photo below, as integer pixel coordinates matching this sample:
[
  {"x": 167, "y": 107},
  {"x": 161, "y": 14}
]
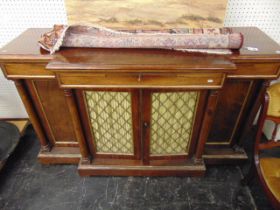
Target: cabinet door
[
  {"x": 111, "y": 121},
  {"x": 171, "y": 120}
]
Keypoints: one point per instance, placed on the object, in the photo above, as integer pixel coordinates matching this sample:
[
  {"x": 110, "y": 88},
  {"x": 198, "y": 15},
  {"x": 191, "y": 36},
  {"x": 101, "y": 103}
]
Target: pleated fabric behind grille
[
  {"x": 111, "y": 121},
  {"x": 172, "y": 121}
]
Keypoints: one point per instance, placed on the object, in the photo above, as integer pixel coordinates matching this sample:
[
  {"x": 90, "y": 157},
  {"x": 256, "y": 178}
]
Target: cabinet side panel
[
  {"x": 52, "y": 102},
  {"x": 231, "y": 105}
]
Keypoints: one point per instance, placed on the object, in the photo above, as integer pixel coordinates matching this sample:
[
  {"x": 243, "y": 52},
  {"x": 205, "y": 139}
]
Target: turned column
[
  {"x": 77, "y": 125},
  {"x": 206, "y": 123},
  {"x": 45, "y": 147}
]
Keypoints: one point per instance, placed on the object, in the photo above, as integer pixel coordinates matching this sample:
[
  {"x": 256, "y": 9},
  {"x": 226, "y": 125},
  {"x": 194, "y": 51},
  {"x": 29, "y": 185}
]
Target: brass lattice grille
[
  {"x": 172, "y": 122},
  {"x": 111, "y": 121}
]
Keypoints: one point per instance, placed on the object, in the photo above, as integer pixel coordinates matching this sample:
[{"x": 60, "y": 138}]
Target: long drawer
[{"x": 141, "y": 80}]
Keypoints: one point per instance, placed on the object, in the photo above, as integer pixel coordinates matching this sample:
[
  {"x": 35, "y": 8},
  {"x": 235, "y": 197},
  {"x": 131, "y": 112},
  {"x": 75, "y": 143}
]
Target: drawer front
[
  {"x": 141, "y": 80},
  {"x": 26, "y": 71},
  {"x": 257, "y": 70}
]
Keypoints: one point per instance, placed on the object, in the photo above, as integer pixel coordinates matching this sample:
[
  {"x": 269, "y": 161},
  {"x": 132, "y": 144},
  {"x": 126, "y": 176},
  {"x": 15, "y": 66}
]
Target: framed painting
[{"x": 147, "y": 14}]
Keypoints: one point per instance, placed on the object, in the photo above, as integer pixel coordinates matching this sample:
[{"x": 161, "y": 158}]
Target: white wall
[
  {"x": 264, "y": 14},
  {"x": 15, "y": 17}
]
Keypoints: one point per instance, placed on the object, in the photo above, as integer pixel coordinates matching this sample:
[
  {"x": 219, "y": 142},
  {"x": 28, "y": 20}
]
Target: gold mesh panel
[
  {"x": 172, "y": 122},
  {"x": 111, "y": 121}
]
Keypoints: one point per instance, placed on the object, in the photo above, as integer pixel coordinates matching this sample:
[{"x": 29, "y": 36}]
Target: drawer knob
[
  {"x": 139, "y": 78},
  {"x": 210, "y": 80}
]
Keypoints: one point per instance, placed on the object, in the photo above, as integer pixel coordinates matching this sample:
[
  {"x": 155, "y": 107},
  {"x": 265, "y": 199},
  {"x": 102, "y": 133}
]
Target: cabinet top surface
[{"x": 26, "y": 49}]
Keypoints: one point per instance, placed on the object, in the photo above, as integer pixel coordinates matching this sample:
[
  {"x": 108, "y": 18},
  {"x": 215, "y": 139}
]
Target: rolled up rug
[{"x": 176, "y": 39}]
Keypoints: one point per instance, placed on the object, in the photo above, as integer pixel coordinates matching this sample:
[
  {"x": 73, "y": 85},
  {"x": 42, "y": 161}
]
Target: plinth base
[
  {"x": 60, "y": 155},
  {"x": 224, "y": 154},
  {"x": 102, "y": 168}
]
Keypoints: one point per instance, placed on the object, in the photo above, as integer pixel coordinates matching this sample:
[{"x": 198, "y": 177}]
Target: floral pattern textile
[{"x": 177, "y": 39}]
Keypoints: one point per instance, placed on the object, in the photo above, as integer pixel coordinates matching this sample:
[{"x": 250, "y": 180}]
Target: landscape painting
[{"x": 147, "y": 14}]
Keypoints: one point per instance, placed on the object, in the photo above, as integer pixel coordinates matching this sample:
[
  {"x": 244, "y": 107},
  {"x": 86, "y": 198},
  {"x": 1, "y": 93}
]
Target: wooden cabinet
[{"x": 141, "y": 111}]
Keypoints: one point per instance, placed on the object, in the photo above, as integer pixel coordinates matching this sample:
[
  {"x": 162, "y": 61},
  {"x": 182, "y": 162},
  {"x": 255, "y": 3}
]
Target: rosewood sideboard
[{"x": 141, "y": 111}]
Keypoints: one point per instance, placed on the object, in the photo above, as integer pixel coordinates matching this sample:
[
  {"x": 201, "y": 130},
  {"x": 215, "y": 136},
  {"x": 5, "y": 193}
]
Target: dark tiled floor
[
  {"x": 25, "y": 184},
  {"x": 256, "y": 190}
]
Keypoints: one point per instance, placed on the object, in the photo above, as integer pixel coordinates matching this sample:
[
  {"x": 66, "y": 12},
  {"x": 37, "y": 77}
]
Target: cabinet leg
[
  {"x": 206, "y": 123},
  {"x": 247, "y": 180},
  {"x": 45, "y": 146},
  {"x": 77, "y": 125},
  {"x": 252, "y": 115}
]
